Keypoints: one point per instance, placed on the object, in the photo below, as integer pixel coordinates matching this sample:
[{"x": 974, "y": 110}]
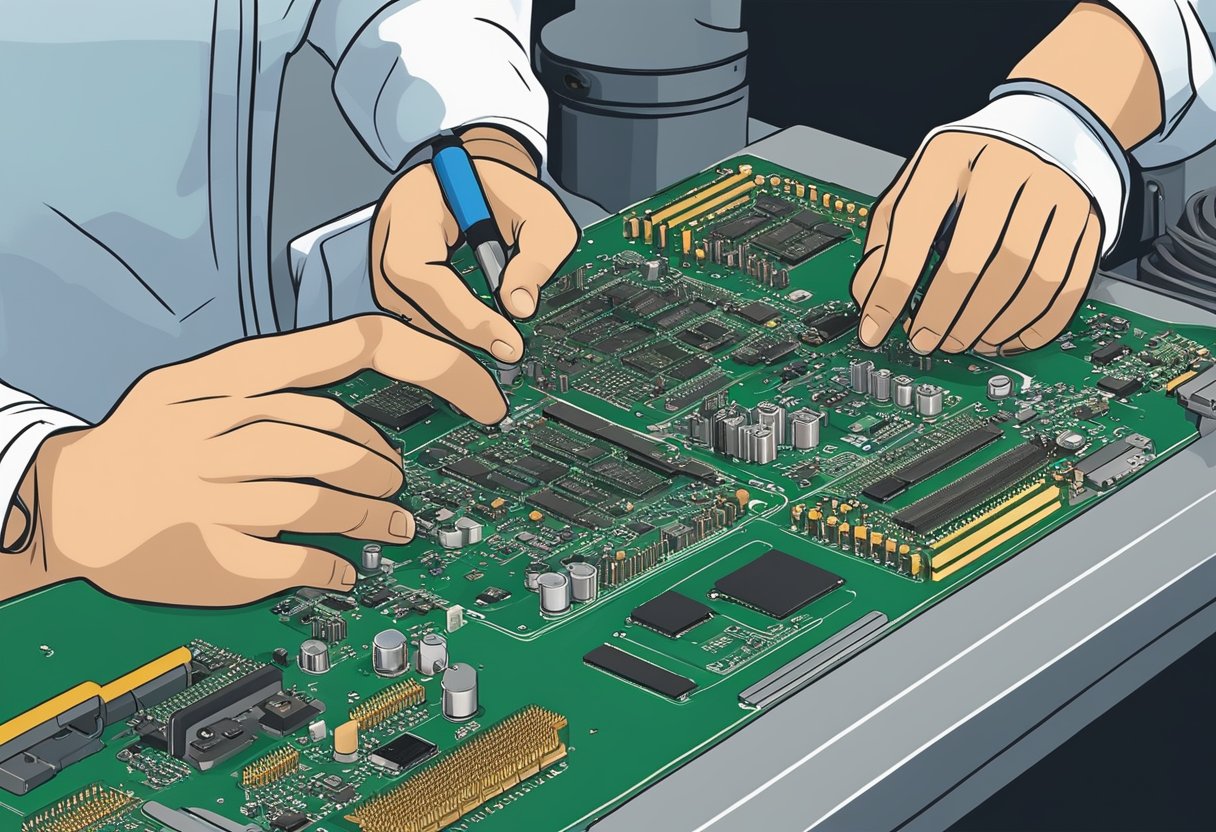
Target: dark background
[{"x": 1147, "y": 764}]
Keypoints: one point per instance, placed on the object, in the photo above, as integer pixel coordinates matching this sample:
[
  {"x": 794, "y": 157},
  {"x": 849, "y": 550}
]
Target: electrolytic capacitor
[
  {"x": 459, "y": 692},
  {"x": 903, "y": 390},
  {"x": 389, "y": 653},
  {"x": 314, "y": 657},
  {"x": 554, "y": 588},
  {"x": 771, "y": 416},
  {"x": 432, "y": 654},
  {"x": 532, "y": 573},
  {"x": 371, "y": 560},
  {"x": 859, "y": 375},
  {"x": 584, "y": 581},
  {"x": 804, "y": 429},
  {"x": 928, "y": 400},
  {"x": 880, "y": 385},
  {"x": 1000, "y": 387}
]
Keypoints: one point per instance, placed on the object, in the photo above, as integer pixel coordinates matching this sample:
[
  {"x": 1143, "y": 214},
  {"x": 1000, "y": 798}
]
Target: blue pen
[{"x": 463, "y": 193}]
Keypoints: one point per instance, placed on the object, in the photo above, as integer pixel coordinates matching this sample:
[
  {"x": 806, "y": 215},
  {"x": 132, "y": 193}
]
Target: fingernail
[
  {"x": 503, "y": 351},
  {"x": 952, "y": 344},
  {"x": 399, "y": 525},
  {"x": 924, "y": 340},
  {"x": 868, "y": 331},
  {"x": 521, "y": 299},
  {"x": 348, "y": 576}
]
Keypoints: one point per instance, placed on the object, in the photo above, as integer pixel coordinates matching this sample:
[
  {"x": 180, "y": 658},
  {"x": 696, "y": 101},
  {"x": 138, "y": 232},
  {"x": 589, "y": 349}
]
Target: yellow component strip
[
  {"x": 1173, "y": 383},
  {"x": 48, "y": 710},
  {"x": 697, "y": 196},
  {"x": 1008, "y": 534},
  {"x": 1007, "y": 519},
  {"x": 1021, "y": 495},
  {"x": 704, "y": 207},
  {"x": 141, "y": 676}
]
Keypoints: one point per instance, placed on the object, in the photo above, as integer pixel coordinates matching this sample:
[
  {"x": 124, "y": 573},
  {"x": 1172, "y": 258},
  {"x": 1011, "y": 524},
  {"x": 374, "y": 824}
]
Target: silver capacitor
[
  {"x": 772, "y": 416},
  {"x": 804, "y": 429},
  {"x": 554, "y": 590},
  {"x": 761, "y": 444},
  {"x": 903, "y": 390},
  {"x": 372, "y": 559},
  {"x": 314, "y": 657},
  {"x": 459, "y": 692},
  {"x": 584, "y": 581},
  {"x": 532, "y": 573},
  {"x": 1000, "y": 387},
  {"x": 859, "y": 375},
  {"x": 390, "y": 654},
  {"x": 928, "y": 400},
  {"x": 432, "y": 654},
  {"x": 880, "y": 385}
]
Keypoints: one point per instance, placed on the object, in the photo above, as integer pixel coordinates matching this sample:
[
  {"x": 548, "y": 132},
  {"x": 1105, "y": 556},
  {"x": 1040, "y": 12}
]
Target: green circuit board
[{"x": 693, "y": 398}]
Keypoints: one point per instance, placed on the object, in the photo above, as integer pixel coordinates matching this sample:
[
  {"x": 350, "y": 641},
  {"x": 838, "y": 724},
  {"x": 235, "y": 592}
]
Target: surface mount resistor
[
  {"x": 662, "y": 236},
  {"x": 838, "y": 205},
  {"x": 842, "y": 536},
  {"x": 812, "y": 194},
  {"x": 860, "y": 536},
  {"x": 635, "y": 228},
  {"x": 914, "y": 564},
  {"x": 889, "y": 554},
  {"x": 647, "y": 231},
  {"x": 799, "y": 190},
  {"x": 686, "y": 241},
  {"x": 875, "y": 544},
  {"x": 827, "y": 200}
]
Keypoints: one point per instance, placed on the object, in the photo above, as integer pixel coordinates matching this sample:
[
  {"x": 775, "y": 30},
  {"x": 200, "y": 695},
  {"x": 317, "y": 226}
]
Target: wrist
[
  {"x": 29, "y": 564},
  {"x": 500, "y": 145}
]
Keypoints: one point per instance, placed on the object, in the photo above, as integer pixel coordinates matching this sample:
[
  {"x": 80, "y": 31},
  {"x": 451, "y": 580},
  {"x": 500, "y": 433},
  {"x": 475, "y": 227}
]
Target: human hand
[
  {"x": 414, "y": 234},
  {"x": 177, "y": 496},
  {"x": 1023, "y": 250}
]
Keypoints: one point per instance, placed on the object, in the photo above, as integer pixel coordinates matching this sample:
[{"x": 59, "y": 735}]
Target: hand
[
  {"x": 178, "y": 494},
  {"x": 1022, "y": 254},
  {"x": 414, "y": 233}
]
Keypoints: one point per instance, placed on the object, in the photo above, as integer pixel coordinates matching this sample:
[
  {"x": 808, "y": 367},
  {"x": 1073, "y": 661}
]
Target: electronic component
[
  {"x": 289, "y": 822},
  {"x": 1120, "y": 388},
  {"x": 1116, "y": 460},
  {"x": 459, "y": 692},
  {"x": 88, "y": 808},
  {"x": 377, "y": 598},
  {"x": 454, "y": 618},
  {"x": 346, "y": 741},
  {"x": 371, "y": 558},
  {"x": 928, "y": 400},
  {"x": 584, "y": 581},
  {"x": 397, "y": 406},
  {"x": 274, "y": 766},
  {"x": 327, "y": 628},
  {"x": 641, "y": 673},
  {"x": 1112, "y": 351},
  {"x": 554, "y": 589},
  {"x": 709, "y": 336},
  {"x": 314, "y": 657},
  {"x": 773, "y": 205},
  {"x": 390, "y": 654},
  {"x": 431, "y": 657},
  {"x": 904, "y": 386},
  {"x": 403, "y": 753},
  {"x": 929, "y": 464},
  {"x": 671, "y": 613},
  {"x": 317, "y": 731},
  {"x": 1000, "y": 387},
  {"x": 804, "y": 429},
  {"x": 387, "y": 703},
  {"x": 1070, "y": 441},
  {"x": 757, "y": 312},
  {"x": 486, "y": 766},
  {"x": 777, "y": 584},
  {"x": 740, "y": 227}
]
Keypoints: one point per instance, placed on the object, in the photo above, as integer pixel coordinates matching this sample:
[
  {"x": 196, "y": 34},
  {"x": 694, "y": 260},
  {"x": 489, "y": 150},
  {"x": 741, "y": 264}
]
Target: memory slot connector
[
  {"x": 1005, "y": 536},
  {"x": 81, "y": 810},
  {"x": 991, "y": 524},
  {"x": 388, "y": 702},
  {"x": 684, "y": 204},
  {"x": 274, "y": 766},
  {"x": 486, "y": 766}
]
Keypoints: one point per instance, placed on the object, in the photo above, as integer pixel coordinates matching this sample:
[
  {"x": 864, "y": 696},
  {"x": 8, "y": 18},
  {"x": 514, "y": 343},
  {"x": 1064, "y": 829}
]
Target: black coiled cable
[{"x": 1183, "y": 260}]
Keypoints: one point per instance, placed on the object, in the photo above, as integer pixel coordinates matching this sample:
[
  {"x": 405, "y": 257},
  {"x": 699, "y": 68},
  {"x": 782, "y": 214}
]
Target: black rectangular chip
[
  {"x": 734, "y": 229},
  {"x": 806, "y": 219},
  {"x": 647, "y": 675},
  {"x": 1120, "y": 387},
  {"x": 568, "y": 509},
  {"x": 541, "y": 469},
  {"x": 774, "y": 352},
  {"x": 396, "y": 407},
  {"x": 1105, "y": 355},
  {"x": 777, "y": 584},
  {"x": 671, "y": 613},
  {"x": 948, "y": 454},
  {"x": 403, "y": 753},
  {"x": 885, "y": 489},
  {"x": 773, "y": 205},
  {"x": 470, "y": 469},
  {"x": 689, "y": 369},
  {"x": 824, "y": 328},
  {"x": 758, "y": 312}
]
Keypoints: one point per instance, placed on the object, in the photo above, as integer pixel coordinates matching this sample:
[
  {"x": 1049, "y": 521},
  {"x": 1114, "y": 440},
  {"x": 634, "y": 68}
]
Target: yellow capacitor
[
  {"x": 743, "y": 497},
  {"x": 843, "y": 534},
  {"x": 875, "y": 541},
  {"x": 916, "y": 564},
  {"x": 833, "y": 521},
  {"x": 745, "y": 170},
  {"x": 346, "y": 741},
  {"x": 774, "y": 180},
  {"x": 863, "y": 211},
  {"x": 845, "y": 508},
  {"x": 686, "y": 240},
  {"x": 813, "y": 194},
  {"x": 800, "y": 190},
  {"x": 890, "y": 547},
  {"x": 904, "y": 548},
  {"x": 635, "y": 228},
  {"x": 827, "y": 200},
  {"x": 497, "y": 502},
  {"x": 796, "y": 512},
  {"x": 838, "y": 205},
  {"x": 647, "y": 231},
  {"x": 759, "y": 180},
  {"x": 851, "y": 207},
  {"x": 535, "y": 516},
  {"x": 662, "y": 236},
  {"x": 860, "y": 532},
  {"x": 620, "y": 555},
  {"x": 700, "y": 255}
]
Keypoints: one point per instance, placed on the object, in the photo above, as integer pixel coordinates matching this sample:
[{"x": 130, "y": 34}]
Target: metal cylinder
[
  {"x": 880, "y": 385},
  {"x": 371, "y": 560},
  {"x": 554, "y": 593},
  {"x": 928, "y": 400},
  {"x": 772, "y": 416},
  {"x": 584, "y": 581},
  {"x": 390, "y": 654},
  {"x": 314, "y": 657},
  {"x": 762, "y": 445},
  {"x": 733, "y": 438},
  {"x": 1000, "y": 387},
  {"x": 532, "y": 573},
  {"x": 859, "y": 375},
  {"x": 459, "y": 692},
  {"x": 903, "y": 390},
  {"x": 804, "y": 429},
  {"x": 431, "y": 655}
]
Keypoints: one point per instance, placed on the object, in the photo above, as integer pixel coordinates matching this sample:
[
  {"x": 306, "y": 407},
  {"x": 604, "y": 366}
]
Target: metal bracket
[{"x": 1198, "y": 396}]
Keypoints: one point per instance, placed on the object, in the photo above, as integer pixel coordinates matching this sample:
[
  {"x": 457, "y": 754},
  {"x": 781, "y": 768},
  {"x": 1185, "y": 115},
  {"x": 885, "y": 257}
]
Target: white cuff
[
  {"x": 1174, "y": 39},
  {"x": 25, "y": 423},
  {"x": 1057, "y": 135}
]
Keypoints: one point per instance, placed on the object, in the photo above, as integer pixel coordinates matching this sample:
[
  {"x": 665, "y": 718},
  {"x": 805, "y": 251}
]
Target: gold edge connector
[
  {"x": 1023, "y": 508},
  {"x": 484, "y": 767}
]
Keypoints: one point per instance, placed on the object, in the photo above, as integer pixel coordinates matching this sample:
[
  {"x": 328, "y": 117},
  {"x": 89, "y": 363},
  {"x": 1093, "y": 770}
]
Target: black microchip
[
  {"x": 280, "y": 656},
  {"x": 1105, "y": 355},
  {"x": 885, "y": 489},
  {"x": 734, "y": 229},
  {"x": 339, "y": 604},
  {"x": 758, "y": 312},
  {"x": 542, "y": 469},
  {"x": 777, "y": 584},
  {"x": 682, "y": 313},
  {"x": 806, "y": 219},
  {"x": 377, "y": 598},
  {"x": 403, "y": 753},
  {"x": 630, "y": 667},
  {"x": 492, "y": 595},
  {"x": 772, "y": 205},
  {"x": 708, "y": 335},
  {"x": 640, "y": 527},
  {"x": 689, "y": 369},
  {"x": 396, "y": 407},
  {"x": 825, "y": 328},
  {"x": 621, "y": 292},
  {"x": 774, "y": 352},
  {"x": 497, "y": 479},
  {"x": 671, "y": 613},
  {"x": 289, "y": 821},
  {"x": 1120, "y": 387}
]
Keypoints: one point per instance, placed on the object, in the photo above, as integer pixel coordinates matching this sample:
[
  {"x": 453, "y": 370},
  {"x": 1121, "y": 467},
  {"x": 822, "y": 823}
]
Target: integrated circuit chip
[
  {"x": 403, "y": 753},
  {"x": 822, "y": 328},
  {"x": 777, "y": 584},
  {"x": 647, "y": 675},
  {"x": 773, "y": 205},
  {"x": 708, "y": 335},
  {"x": 1112, "y": 351},
  {"x": 1119, "y": 387},
  {"x": 758, "y": 312},
  {"x": 396, "y": 407},
  {"x": 734, "y": 229},
  {"x": 671, "y": 613}
]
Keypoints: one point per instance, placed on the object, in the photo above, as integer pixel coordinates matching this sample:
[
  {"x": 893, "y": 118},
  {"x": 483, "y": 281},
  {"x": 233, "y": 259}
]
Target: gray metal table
[{"x": 919, "y": 728}]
